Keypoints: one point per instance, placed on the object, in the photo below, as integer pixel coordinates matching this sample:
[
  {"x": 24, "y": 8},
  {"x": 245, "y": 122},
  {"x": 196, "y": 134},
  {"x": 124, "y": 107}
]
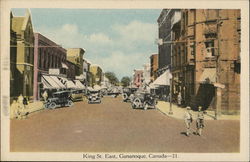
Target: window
[{"x": 210, "y": 49}]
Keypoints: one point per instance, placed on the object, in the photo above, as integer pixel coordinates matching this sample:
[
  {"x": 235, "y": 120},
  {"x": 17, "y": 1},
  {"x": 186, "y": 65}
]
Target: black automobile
[
  {"x": 94, "y": 96},
  {"x": 59, "y": 99},
  {"x": 144, "y": 100},
  {"x": 127, "y": 93}
]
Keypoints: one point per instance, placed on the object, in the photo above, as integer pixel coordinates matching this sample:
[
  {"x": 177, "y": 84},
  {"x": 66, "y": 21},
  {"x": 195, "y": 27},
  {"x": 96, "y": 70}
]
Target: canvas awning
[
  {"x": 97, "y": 87},
  {"x": 49, "y": 82},
  {"x": 70, "y": 84},
  {"x": 208, "y": 74},
  {"x": 58, "y": 81},
  {"x": 79, "y": 84},
  {"x": 163, "y": 79}
]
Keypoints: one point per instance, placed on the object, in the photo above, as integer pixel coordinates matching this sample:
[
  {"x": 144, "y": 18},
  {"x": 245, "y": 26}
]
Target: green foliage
[
  {"x": 125, "y": 81},
  {"x": 112, "y": 78}
]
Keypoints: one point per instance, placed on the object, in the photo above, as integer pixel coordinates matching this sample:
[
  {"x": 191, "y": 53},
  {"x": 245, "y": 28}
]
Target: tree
[
  {"x": 112, "y": 78},
  {"x": 125, "y": 81}
]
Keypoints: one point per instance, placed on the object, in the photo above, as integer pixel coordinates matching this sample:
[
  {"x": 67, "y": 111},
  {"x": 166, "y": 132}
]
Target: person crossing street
[
  {"x": 199, "y": 121},
  {"x": 188, "y": 120}
]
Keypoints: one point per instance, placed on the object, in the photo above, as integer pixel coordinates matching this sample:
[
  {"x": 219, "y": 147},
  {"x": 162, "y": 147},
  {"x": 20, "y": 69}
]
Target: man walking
[
  {"x": 199, "y": 121},
  {"x": 188, "y": 120}
]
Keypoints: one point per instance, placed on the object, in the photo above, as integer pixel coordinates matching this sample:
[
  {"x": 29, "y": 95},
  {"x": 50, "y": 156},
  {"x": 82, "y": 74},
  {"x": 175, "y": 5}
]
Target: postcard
[{"x": 124, "y": 81}]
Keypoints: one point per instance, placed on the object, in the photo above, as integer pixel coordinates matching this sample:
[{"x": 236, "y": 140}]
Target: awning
[
  {"x": 70, "y": 84},
  {"x": 50, "y": 82},
  {"x": 79, "y": 84},
  {"x": 64, "y": 66},
  {"x": 46, "y": 84},
  {"x": 163, "y": 79},
  {"x": 58, "y": 81},
  {"x": 152, "y": 86},
  {"x": 97, "y": 87},
  {"x": 208, "y": 74}
]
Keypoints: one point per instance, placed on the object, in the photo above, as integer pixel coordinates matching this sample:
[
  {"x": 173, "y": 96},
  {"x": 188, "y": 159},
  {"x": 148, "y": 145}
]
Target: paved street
[{"x": 113, "y": 126}]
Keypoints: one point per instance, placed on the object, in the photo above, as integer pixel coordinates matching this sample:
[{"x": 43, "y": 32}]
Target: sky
[{"x": 119, "y": 40}]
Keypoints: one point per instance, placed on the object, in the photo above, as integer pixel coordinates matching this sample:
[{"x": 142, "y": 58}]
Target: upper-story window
[{"x": 210, "y": 48}]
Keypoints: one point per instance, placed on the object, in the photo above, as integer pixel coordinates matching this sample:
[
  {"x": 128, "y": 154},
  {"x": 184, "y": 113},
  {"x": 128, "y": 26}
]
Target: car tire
[
  {"x": 70, "y": 103},
  {"x": 136, "y": 102},
  {"x": 145, "y": 106},
  {"x": 52, "y": 105},
  {"x": 124, "y": 96}
]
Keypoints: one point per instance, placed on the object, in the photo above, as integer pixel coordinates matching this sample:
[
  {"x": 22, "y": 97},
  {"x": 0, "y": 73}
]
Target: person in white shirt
[
  {"x": 188, "y": 120},
  {"x": 199, "y": 121}
]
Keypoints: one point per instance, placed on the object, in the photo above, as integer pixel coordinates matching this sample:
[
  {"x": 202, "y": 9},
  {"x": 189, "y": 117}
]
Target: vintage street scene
[{"x": 125, "y": 80}]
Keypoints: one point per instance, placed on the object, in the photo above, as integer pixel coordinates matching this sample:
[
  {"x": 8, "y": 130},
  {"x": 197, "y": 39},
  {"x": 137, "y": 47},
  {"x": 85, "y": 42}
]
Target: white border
[{"x": 6, "y": 5}]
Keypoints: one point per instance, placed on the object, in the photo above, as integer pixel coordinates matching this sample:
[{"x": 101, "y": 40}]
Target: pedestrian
[
  {"x": 179, "y": 99},
  {"x": 188, "y": 120},
  {"x": 199, "y": 121},
  {"x": 25, "y": 102},
  {"x": 45, "y": 96}
]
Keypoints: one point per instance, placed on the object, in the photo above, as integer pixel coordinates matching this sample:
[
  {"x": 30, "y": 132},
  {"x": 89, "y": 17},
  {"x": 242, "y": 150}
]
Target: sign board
[{"x": 54, "y": 71}]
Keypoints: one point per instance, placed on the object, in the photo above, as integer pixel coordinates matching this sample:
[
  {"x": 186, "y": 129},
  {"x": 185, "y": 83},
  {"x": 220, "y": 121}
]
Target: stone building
[
  {"x": 96, "y": 73},
  {"x": 22, "y": 55},
  {"x": 48, "y": 58},
  {"x": 86, "y": 72},
  {"x": 75, "y": 55},
  {"x": 206, "y": 59},
  {"x": 153, "y": 66}
]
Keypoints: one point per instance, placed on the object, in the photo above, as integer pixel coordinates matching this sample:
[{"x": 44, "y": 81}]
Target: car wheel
[
  {"x": 70, "y": 103},
  {"x": 145, "y": 106},
  {"x": 137, "y": 102},
  {"x": 125, "y": 97},
  {"x": 52, "y": 105}
]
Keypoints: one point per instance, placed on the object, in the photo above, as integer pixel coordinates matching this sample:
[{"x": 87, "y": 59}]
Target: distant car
[
  {"x": 77, "y": 95},
  {"x": 94, "y": 96},
  {"x": 144, "y": 100},
  {"x": 59, "y": 99},
  {"x": 128, "y": 93}
]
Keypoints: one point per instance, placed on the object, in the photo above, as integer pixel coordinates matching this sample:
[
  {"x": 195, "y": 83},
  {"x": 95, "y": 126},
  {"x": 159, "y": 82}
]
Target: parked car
[
  {"x": 143, "y": 100},
  {"x": 59, "y": 99},
  {"x": 77, "y": 95},
  {"x": 128, "y": 93},
  {"x": 94, "y": 96}
]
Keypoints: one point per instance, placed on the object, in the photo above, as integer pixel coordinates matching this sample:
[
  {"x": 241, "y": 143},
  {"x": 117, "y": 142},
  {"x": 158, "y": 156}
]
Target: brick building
[
  {"x": 138, "y": 77},
  {"x": 153, "y": 66},
  {"x": 48, "y": 56},
  {"x": 206, "y": 59}
]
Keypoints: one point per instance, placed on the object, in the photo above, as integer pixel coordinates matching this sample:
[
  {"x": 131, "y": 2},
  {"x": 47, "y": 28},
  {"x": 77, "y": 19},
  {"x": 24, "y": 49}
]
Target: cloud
[
  {"x": 126, "y": 47},
  {"x": 99, "y": 38},
  {"x": 136, "y": 31}
]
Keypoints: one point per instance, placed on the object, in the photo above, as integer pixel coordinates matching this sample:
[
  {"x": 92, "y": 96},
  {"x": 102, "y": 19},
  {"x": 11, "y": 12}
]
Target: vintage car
[
  {"x": 127, "y": 93},
  {"x": 143, "y": 100},
  {"x": 114, "y": 92},
  {"x": 59, "y": 99},
  {"x": 77, "y": 95},
  {"x": 94, "y": 96}
]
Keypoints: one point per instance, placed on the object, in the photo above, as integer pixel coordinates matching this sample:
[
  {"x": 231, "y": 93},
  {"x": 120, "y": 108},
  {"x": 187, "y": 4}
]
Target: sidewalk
[
  {"x": 30, "y": 108},
  {"x": 178, "y": 112}
]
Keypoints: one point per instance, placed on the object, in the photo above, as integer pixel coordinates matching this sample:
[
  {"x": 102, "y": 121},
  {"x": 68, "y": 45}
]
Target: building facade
[
  {"x": 96, "y": 73},
  {"x": 48, "y": 58},
  {"x": 146, "y": 73},
  {"x": 166, "y": 20},
  {"x": 138, "y": 77},
  {"x": 153, "y": 66},
  {"x": 75, "y": 55},
  {"x": 22, "y": 41},
  {"x": 86, "y": 72},
  {"x": 206, "y": 59}
]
